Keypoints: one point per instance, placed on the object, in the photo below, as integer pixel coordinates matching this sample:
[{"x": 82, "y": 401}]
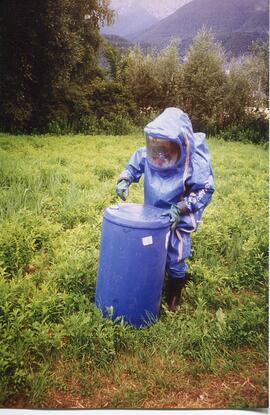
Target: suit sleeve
[
  {"x": 199, "y": 185},
  {"x": 135, "y": 167}
]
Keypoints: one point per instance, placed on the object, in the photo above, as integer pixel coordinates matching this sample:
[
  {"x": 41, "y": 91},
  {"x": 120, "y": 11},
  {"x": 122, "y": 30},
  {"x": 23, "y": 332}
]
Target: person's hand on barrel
[{"x": 122, "y": 189}]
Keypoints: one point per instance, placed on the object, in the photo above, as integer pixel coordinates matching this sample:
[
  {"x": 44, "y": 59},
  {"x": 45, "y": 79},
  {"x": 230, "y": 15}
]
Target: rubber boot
[{"x": 175, "y": 286}]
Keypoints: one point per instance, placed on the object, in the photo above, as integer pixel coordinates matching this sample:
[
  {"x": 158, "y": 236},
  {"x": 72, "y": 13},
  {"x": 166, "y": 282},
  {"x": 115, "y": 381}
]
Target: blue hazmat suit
[{"x": 189, "y": 183}]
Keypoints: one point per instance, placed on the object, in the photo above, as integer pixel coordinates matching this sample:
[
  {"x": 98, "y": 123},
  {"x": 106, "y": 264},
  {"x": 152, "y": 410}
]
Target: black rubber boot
[{"x": 175, "y": 286}]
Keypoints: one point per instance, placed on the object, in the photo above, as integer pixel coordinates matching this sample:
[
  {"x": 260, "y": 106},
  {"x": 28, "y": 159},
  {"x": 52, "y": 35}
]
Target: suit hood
[{"x": 173, "y": 124}]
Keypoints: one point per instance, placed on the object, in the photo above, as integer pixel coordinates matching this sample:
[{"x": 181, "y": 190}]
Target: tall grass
[{"x": 52, "y": 193}]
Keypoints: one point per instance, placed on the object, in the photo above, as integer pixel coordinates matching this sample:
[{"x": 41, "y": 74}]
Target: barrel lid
[{"x": 135, "y": 215}]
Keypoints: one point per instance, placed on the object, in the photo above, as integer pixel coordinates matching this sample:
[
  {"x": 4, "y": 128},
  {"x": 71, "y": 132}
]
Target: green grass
[{"x": 52, "y": 193}]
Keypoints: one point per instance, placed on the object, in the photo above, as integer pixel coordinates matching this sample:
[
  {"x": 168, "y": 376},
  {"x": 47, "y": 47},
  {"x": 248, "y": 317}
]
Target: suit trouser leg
[{"x": 178, "y": 252}]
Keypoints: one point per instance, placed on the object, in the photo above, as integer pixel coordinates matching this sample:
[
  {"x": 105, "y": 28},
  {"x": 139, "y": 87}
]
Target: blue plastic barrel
[{"x": 132, "y": 261}]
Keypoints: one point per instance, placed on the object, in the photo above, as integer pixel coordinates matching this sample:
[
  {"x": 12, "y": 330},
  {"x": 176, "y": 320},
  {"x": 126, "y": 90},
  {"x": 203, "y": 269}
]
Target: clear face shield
[{"x": 162, "y": 153}]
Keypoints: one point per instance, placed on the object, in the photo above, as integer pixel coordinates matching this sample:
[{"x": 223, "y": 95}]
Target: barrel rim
[{"x": 135, "y": 223}]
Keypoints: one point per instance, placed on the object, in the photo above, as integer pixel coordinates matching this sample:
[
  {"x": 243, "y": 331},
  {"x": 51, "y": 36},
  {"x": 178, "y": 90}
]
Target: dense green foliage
[
  {"x": 58, "y": 76},
  {"x": 52, "y": 193},
  {"x": 214, "y": 92},
  {"x": 48, "y": 56},
  {"x": 204, "y": 81}
]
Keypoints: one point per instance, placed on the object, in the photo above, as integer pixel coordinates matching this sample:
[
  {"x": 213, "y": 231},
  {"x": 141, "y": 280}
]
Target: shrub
[
  {"x": 116, "y": 125},
  {"x": 89, "y": 124},
  {"x": 59, "y": 127},
  {"x": 255, "y": 129},
  {"x": 112, "y": 124},
  {"x": 109, "y": 98}
]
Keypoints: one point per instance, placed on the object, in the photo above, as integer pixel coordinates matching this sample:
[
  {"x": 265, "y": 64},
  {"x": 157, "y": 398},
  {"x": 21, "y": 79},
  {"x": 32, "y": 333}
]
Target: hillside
[
  {"x": 157, "y": 8},
  {"x": 134, "y": 20},
  {"x": 135, "y": 16},
  {"x": 230, "y": 20}
]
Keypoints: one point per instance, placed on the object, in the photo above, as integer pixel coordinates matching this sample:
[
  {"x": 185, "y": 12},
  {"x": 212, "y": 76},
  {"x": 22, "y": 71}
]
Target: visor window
[{"x": 162, "y": 153}]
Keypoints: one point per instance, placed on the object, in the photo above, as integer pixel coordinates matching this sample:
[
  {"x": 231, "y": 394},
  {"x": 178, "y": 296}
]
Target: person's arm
[
  {"x": 132, "y": 173},
  {"x": 134, "y": 168},
  {"x": 199, "y": 185},
  {"x": 198, "y": 192}
]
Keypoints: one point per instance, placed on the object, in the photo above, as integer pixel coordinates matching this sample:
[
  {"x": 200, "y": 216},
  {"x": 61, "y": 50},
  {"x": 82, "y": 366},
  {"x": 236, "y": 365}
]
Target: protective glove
[
  {"x": 175, "y": 213},
  {"x": 122, "y": 189}
]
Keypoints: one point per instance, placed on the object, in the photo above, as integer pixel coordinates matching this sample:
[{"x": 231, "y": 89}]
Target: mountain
[
  {"x": 157, "y": 8},
  {"x": 135, "y": 16},
  {"x": 238, "y": 20},
  {"x": 133, "y": 20}
]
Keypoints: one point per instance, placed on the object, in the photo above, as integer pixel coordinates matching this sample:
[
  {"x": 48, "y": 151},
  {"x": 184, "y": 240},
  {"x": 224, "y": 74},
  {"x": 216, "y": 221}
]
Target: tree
[
  {"x": 170, "y": 75},
  {"x": 256, "y": 67},
  {"x": 140, "y": 77},
  {"x": 109, "y": 97},
  {"x": 204, "y": 80},
  {"x": 48, "y": 55},
  {"x": 237, "y": 93},
  {"x": 112, "y": 60},
  {"x": 154, "y": 79}
]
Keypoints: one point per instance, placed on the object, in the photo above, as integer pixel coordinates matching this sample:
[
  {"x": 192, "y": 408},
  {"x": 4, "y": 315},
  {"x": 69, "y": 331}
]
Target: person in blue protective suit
[{"x": 178, "y": 177}]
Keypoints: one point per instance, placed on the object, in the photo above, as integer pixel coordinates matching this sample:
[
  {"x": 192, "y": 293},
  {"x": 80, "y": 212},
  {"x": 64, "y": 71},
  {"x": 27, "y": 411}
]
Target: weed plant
[{"x": 52, "y": 194}]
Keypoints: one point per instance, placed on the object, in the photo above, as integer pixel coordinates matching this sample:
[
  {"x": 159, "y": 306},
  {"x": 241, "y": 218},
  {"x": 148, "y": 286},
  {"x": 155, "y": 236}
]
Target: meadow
[{"x": 56, "y": 350}]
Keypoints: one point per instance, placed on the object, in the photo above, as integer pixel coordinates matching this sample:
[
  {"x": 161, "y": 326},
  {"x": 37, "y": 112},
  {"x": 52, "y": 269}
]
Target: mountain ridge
[
  {"x": 132, "y": 22},
  {"x": 157, "y": 8},
  {"x": 134, "y": 16},
  {"x": 222, "y": 17}
]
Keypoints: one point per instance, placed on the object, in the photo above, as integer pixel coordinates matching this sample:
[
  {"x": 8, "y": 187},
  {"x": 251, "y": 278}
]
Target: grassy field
[{"x": 55, "y": 348}]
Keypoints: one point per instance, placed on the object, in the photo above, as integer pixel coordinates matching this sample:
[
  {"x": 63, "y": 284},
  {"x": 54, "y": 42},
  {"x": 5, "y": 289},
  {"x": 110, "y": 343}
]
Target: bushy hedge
[
  {"x": 92, "y": 125},
  {"x": 255, "y": 129},
  {"x": 216, "y": 93}
]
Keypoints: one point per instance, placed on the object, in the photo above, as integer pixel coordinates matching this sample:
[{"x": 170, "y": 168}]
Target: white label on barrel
[
  {"x": 147, "y": 240},
  {"x": 167, "y": 240}
]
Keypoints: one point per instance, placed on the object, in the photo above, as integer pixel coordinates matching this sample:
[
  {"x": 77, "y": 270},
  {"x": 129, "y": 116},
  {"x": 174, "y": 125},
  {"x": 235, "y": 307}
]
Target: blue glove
[
  {"x": 122, "y": 189},
  {"x": 175, "y": 213}
]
